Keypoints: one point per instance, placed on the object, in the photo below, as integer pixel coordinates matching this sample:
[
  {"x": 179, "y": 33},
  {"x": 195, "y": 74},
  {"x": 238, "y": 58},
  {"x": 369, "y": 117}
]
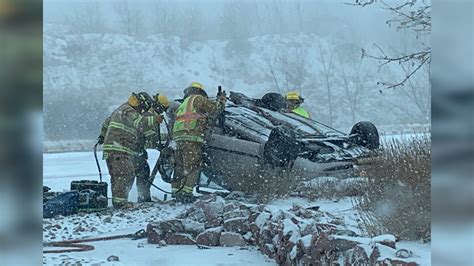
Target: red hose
[{"x": 76, "y": 247}]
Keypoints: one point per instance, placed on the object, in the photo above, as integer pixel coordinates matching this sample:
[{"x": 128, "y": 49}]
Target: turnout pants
[
  {"x": 142, "y": 172},
  {"x": 188, "y": 158},
  {"x": 122, "y": 174}
]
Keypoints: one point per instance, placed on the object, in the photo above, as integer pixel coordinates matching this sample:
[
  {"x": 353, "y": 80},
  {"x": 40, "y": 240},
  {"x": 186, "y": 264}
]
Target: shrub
[{"x": 398, "y": 199}]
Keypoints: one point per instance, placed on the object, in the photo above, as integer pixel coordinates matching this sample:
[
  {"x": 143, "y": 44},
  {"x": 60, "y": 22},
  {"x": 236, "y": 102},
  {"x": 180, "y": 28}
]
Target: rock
[
  {"x": 337, "y": 221},
  {"x": 302, "y": 212},
  {"x": 306, "y": 259},
  {"x": 291, "y": 230},
  {"x": 326, "y": 227},
  {"x": 230, "y": 239},
  {"x": 268, "y": 249},
  {"x": 265, "y": 236},
  {"x": 257, "y": 208},
  {"x": 293, "y": 253},
  {"x": 179, "y": 239},
  {"x": 359, "y": 256},
  {"x": 345, "y": 232},
  {"x": 254, "y": 229},
  {"x": 262, "y": 219},
  {"x": 395, "y": 262},
  {"x": 153, "y": 233},
  {"x": 192, "y": 227},
  {"x": 113, "y": 258},
  {"x": 306, "y": 229},
  {"x": 171, "y": 226},
  {"x": 236, "y": 214},
  {"x": 249, "y": 238},
  {"x": 278, "y": 216},
  {"x": 375, "y": 254},
  {"x": 320, "y": 245},
  {"x": 275, "y": 228},
  {"x": 235, "y": 195},
  {"x": 214, "y": 209},
  {"x": 238, "y": 225},
  {"x": 403, "y": 253},
  {"x": 341, "y": 244},
  {"x": 79, "y": 229},
  {"x": 210, "y": 237},
  {"x": 193, "y": 213},
  {"x": 230, "y": 207},
  {"x": 304, "y": 244},
  {"x": 283, "y": 251},
  {"x": 253, "y": 216},
  {"x": 56, "y": 226},
  {"x": 163, "y": 230},
  {"x": 386, "y": 240},
  {"x": 213, "y": 222}
]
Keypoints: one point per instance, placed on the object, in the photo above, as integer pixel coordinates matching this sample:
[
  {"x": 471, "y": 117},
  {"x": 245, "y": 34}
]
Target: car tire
[
  {"x": 365, "y": 134},
  {"x": 166, "y": 164},
  {"x": 273, "y": 101},
  {"x": 281, "y": 150}
]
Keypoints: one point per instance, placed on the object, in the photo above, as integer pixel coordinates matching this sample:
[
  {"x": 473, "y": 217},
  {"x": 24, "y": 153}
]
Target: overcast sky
[{"x": 367, "y": 23}]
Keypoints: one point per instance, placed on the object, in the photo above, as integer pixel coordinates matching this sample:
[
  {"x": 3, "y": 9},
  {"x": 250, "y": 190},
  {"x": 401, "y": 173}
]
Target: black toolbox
[{"x": 92, "y": 194}]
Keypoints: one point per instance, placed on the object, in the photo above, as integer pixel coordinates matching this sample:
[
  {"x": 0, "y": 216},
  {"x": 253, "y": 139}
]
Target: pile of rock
[{"x": 291, "y": 237}]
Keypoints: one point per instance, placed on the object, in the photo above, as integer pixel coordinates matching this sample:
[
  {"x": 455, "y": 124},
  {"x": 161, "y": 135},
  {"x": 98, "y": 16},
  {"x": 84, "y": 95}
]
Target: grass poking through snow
[{"x": 398, "y": 200}]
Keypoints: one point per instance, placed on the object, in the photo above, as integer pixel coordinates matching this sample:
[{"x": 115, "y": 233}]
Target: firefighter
[
  {"x": 294, "y": 100},
  {"x": 192, "y": 120},
  {"x": 148, "y": 140},
  {"x": 119, "y": 135}
]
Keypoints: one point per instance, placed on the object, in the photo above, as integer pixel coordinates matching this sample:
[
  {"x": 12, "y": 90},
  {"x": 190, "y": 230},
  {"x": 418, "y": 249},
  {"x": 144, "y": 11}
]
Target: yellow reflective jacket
[
  {"x": 192, "y": 118},
  {"x": 301, "y": 112}
]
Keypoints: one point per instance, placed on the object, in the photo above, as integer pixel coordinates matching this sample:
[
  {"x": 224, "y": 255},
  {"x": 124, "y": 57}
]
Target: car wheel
[
  {"x": 166, "y": 164},
  {"x": 281, "y": 148},
  {"x": 365, "y": 134}
]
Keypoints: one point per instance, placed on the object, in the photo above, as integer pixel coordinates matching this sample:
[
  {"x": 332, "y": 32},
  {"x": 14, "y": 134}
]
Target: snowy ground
[
  {"x": 130, "y": 254},
  {"x": 62, "y": 168},
  {"x": 59, "y": 169}
]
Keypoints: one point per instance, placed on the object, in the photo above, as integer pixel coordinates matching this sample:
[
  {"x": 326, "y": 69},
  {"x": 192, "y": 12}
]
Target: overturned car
[{"x": 259, "y": 138}]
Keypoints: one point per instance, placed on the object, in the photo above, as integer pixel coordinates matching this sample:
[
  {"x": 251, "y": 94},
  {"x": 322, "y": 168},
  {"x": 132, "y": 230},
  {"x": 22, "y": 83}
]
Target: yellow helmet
[
  {"x": 196, "y": 85},
  {"x": 142, "y": 101},
  {"x": 162, "y": 99},
  {"x": 133, "y": 100},
  {"x": 293, "y": 96}
]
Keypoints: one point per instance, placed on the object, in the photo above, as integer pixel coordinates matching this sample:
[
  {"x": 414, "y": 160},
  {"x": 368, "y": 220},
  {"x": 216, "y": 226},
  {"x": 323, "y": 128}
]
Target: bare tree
[
  {"x": 258, "y": 17},
  {"x": 193, "y": 19},
  {"x": 130, "y": 19},
  {"x": 418, "y": 90},
  {"x": 86, "y": 19},
  {"x": 269, "y": 67},
  {"x": 327, "y": 64},
  {"x": 353, "y": 80},
  {"x": 285, "y": 67},
  {"x": 412, "y": 15},
  {"x": 160, "y": 10},
  {"x": 299, "y": 15},
  {"x": 292, "y": 66},
  {"x": 166, "y": 17}
]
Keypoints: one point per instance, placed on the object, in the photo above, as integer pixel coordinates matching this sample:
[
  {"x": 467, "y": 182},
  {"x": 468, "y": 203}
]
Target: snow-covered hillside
[
  {"x": 169, "y": 63},
  {"x": 87, "y": 75}
]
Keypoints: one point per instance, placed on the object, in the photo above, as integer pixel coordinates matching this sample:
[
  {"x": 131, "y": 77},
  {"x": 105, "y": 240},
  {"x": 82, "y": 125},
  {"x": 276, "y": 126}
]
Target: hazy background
[
  {"x": 453, "y": 149},
  {"x": 97, "y": 52}
]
